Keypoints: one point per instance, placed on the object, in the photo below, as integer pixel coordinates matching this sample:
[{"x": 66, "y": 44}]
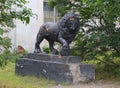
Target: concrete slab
[{"x": 57, "y": 68}]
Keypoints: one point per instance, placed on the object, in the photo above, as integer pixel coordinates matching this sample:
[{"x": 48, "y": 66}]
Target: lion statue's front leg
[{"x": 65, "y": 49}]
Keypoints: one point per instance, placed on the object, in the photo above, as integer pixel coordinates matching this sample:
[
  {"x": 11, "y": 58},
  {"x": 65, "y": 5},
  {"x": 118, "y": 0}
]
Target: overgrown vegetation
[
  {"x": 105, "y": 70},
  {"x": 99, "y": 32},
  {"x": 11, "y": 10}
]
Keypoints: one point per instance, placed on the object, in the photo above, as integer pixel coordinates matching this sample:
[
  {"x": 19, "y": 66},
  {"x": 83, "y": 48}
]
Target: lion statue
[{"x": 63, "y": 32}]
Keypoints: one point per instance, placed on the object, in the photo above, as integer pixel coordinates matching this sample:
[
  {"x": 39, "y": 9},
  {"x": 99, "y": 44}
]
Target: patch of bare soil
[{"x": 99, "y": 84}]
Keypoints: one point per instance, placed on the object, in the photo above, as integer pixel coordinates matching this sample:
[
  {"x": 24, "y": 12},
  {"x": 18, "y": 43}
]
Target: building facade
[{"x": 25, "y": 35}]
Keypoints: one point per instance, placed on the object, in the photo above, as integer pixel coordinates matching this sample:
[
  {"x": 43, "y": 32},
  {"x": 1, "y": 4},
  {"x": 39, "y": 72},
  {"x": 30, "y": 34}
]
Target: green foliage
[
  {"x": 5, "y": 53},
  {"x": 99, "y": 32},
  {"x": 7, "y": 57},
  {"x": 62, "y": 7},
  {"x": 46, "y": 50},
  {"x": 9, "y": 11},
  {"x": 1, "y": 31},
  {"x": 14, "y": 9},
  {"x": 106, "y": 70}
]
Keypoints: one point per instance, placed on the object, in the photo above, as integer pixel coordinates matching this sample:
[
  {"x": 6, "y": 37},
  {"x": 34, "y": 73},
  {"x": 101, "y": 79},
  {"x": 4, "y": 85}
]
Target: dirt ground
[{"x": 99, "y": 84}]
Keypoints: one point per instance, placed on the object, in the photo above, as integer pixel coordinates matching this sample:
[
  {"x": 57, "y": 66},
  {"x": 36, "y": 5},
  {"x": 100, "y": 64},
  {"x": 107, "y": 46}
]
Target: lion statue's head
[{"x": 70, "y": 21}]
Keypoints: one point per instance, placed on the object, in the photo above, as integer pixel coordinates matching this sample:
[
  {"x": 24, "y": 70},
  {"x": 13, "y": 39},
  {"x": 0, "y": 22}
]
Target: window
[
  {"x": 46, "y": 7},
  {"x": 50, "y": 14}
]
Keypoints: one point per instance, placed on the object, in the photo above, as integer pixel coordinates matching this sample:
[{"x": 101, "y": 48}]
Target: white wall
[{"x": 25, "y": 35}]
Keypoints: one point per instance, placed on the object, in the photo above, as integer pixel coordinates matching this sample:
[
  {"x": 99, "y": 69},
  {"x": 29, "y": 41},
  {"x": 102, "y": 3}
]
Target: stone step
[
  {"x": 58, "y": 70},
  {"x": 56, "y": 58}
]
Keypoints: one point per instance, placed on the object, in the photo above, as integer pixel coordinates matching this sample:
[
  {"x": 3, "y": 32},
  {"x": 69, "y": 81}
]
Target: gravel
[{"x": 99, "y": 84}]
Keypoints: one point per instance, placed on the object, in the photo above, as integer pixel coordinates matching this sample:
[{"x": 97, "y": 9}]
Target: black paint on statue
[{"x": 63, "y": 32}]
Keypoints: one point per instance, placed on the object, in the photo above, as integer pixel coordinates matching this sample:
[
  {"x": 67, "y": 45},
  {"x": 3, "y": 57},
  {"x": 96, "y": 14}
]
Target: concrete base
[{"x": 57, "y": 68}]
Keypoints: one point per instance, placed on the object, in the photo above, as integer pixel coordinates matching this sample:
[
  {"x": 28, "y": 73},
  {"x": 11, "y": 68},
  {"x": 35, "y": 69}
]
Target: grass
[{"x": 8, "y": 79}]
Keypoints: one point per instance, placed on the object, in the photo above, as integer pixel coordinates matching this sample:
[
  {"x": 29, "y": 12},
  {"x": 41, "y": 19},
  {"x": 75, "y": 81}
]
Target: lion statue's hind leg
[
  {"x": 39, "y": 39},
  {"x": 51, "y": 47}
]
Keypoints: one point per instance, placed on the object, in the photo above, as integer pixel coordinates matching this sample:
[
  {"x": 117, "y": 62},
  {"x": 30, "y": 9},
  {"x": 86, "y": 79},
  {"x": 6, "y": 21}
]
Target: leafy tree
[
  {"x": 11, "y": 10},
  {"x": 99, "y": 32}
]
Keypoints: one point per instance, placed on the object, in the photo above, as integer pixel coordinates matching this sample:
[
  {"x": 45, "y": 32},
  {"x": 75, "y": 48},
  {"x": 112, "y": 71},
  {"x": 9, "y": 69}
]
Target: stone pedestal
[{"x": 57, "y": 68}]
